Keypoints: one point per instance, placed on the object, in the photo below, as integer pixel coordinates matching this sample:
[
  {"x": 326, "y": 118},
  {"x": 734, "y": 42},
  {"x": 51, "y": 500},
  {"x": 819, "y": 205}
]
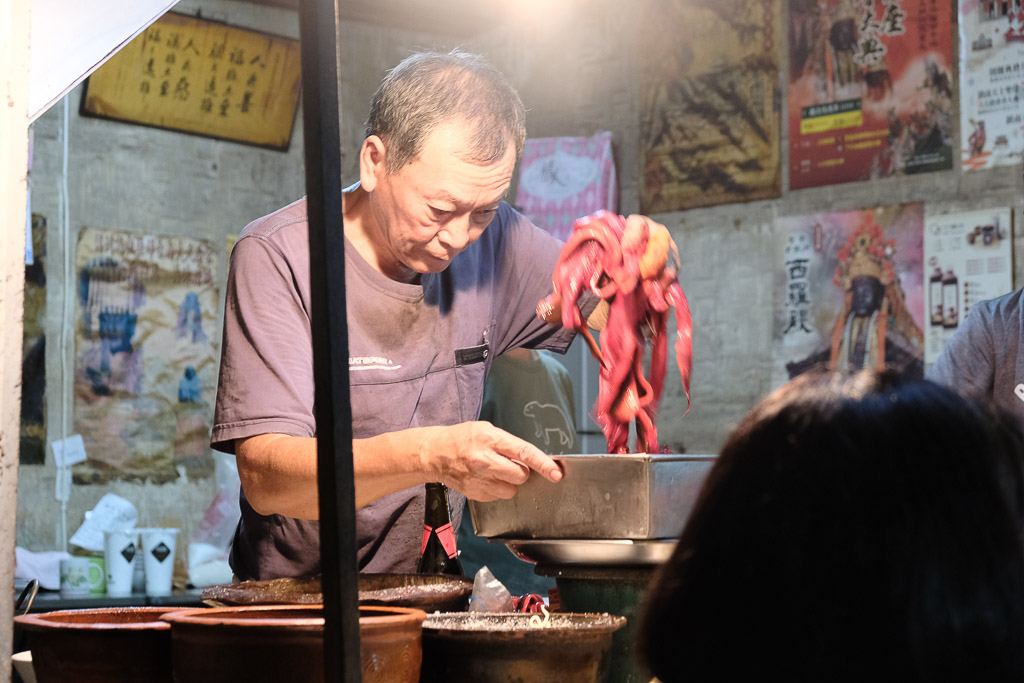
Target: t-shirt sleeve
[
  {"x": 266, "y": 372},
  {"x": 527, "y": 262},
  {"x": 967, "y": 365}
]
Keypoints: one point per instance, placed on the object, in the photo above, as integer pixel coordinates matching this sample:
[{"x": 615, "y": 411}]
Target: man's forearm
[
  {"x": 482, "y": 462},
  {"x": 279, "y": 472}
]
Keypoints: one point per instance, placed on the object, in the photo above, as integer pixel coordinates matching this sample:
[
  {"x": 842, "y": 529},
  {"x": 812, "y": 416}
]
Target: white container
[
  {"x": 120, "y": 552},
  {"x": 23, "y": 665},
  {"x": 158, "y": 555}
]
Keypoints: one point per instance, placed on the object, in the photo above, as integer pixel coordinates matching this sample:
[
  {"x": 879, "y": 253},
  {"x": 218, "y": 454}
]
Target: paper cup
[
  {"x": 79, "y": 576},
  {"x": 23, "y": 665},
  {"x": 120, "y": 554},
  {"x": 158, "y": 553}
]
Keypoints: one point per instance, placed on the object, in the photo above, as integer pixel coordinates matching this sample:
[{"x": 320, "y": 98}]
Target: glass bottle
[
  {"x": 950, "y": 300},
  {"x": 438, "y": 554},
  {"x": 935, "y": 297}
]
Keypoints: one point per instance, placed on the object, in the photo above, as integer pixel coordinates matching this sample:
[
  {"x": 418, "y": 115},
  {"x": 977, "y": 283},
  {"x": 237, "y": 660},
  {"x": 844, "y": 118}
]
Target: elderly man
[{"x": 441, "y": 276}]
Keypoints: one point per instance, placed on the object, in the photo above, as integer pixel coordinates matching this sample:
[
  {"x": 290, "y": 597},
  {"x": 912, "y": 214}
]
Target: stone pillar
[{"x": 14, "y": 80}]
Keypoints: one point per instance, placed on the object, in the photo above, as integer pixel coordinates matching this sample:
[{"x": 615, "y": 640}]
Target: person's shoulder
[
  {"x": 275, "y": 226},
  {"x": 1002, "y": 308},
  {"x": 507, "y": 221},
  {"x": 512, "y": 229}
]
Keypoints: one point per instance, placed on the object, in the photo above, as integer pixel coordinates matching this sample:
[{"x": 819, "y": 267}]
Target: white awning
[{"x": 72, "y": 39}]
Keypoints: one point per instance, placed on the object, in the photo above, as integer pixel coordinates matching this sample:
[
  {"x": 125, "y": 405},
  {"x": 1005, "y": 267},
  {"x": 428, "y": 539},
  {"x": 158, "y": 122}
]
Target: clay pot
[
  {"x": 104, "y": 645},
  {"x": 274, "y": 643},
  {"x": 504, "y": 648}
]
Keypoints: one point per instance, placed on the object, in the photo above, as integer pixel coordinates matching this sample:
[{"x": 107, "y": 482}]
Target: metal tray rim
[{"x": 589, "y": 551}]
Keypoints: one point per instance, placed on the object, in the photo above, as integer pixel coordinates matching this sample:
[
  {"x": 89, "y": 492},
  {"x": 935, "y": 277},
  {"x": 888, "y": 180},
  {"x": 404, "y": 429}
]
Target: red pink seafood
[{"x": 636, "y": 271}]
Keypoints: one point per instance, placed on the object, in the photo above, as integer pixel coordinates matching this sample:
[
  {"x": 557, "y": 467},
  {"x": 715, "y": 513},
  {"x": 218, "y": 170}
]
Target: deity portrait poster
[{"x": 849, "y": 291}]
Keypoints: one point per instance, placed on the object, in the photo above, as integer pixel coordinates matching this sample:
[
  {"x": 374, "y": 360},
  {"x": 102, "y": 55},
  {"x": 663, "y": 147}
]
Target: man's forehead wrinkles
[{"x": 447, "y": 196}]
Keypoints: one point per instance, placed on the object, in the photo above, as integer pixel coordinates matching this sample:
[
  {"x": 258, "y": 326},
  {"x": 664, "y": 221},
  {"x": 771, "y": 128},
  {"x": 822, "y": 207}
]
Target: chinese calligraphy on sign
[
  {"x": 202, "y": 77},
  {"x": 797, "y": 260},
  {"x": 849, "y": 291},
  {"x": 870, "y": 93}
]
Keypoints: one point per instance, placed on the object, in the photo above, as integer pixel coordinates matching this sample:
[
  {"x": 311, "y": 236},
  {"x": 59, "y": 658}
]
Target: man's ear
[{"x": 371, "y": 162}]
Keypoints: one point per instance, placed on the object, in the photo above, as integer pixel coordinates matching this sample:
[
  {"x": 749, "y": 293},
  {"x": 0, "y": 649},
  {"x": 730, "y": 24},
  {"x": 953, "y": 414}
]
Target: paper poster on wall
[
  {"x": 561, "y": 179},
  {"x": 991, "y": 83},
  {"x": 870, "y": 92},
  {"x": 145, "y": 355},
  {"x": 710, "y": 129},
  {"x": 968, "y": 259},
  {"x": 849, "y": 291}
]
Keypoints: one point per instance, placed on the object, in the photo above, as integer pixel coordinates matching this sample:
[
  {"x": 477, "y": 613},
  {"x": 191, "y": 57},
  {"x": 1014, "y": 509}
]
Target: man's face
[
  {"x": 428, "y": 212},
  {"x": 867, "y": 295}
]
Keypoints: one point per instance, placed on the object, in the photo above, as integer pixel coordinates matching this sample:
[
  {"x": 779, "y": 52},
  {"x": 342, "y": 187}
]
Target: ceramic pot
[
  {"x": 104, "y": 645},
  {"x": 274, "y": 643},
  {"x": 428, "y": 592},
  {"x": 470, "y": 647}
]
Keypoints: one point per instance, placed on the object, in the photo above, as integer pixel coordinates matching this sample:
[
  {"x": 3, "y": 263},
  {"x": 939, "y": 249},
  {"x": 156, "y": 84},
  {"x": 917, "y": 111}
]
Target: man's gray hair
[{"x": 430, "y": 88}]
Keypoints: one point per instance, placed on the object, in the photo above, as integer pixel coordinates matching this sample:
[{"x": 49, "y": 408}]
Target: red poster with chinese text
[{"x": 870, "y": 90}]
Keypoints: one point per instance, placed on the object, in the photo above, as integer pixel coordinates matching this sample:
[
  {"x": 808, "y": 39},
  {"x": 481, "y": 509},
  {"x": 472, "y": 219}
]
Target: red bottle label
[
  {"x": 426, "y": 537},
  {"x": 446, "y": 534}
]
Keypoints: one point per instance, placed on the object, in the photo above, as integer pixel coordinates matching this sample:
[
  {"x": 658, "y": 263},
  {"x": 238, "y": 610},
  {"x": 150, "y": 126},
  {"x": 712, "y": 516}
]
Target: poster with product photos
[{"x": 967, "y": 259}]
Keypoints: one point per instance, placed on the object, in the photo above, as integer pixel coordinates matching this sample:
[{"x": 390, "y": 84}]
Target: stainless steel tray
[
  {"x": 635, "y": 497},
  {"x": 590, "y": 551}
]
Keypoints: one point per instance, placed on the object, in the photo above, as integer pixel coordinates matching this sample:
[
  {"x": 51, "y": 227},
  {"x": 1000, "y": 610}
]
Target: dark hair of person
[
  {"x": 853, "y": 528},
  {"x": 430, "y": 88}
]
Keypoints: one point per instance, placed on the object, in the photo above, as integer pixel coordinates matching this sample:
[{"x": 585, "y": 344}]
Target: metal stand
[{"x": 318, "y": 26}]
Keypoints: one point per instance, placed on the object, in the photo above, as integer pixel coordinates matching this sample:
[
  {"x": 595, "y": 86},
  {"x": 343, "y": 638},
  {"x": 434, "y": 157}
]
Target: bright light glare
[{"x": 536, "y": 12}]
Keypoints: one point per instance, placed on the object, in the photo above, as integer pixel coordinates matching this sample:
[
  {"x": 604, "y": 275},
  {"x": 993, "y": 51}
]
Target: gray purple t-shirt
[
  {"x": 418, "y": 356},
  {"x": 985, "y": 356}
]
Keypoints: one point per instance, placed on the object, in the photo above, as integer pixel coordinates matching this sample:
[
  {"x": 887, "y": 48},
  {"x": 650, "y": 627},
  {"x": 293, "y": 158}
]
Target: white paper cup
[
  {"x": 158, "y": 553},
  {"x": 23, "y": 665},
  {"x": 121, "y": 554},
  {"x": 78, "y": 576}
]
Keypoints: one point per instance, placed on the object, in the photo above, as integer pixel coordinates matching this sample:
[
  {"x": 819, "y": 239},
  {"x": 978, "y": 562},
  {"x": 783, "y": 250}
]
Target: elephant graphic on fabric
[{"x": 550, "y": 423}]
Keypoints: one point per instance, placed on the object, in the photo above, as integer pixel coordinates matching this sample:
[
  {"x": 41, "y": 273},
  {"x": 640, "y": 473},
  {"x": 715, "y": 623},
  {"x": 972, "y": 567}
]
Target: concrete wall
[
  {"x": 126, "y": 177},
  {"x": 577, "y": 74}
]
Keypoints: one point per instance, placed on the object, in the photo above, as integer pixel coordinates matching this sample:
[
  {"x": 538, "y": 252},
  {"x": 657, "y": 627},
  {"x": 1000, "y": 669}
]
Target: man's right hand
[{"x": 482, "y": 461}]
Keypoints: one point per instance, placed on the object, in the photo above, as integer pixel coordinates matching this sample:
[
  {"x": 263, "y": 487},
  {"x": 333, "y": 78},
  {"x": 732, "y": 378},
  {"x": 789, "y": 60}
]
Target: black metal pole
[{"x": 321, "y": 105}]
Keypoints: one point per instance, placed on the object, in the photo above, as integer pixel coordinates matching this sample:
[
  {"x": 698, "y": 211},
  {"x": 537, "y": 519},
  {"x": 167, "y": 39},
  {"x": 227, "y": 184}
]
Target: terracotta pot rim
[
  {"x": 45, "y": 621},
  {"x": 593, "y": 624},
  {"x": 234, "y": 616}
]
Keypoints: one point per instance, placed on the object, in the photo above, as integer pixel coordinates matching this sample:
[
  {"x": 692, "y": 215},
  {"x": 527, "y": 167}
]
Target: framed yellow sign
[{"x": 203, "y": 77}]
